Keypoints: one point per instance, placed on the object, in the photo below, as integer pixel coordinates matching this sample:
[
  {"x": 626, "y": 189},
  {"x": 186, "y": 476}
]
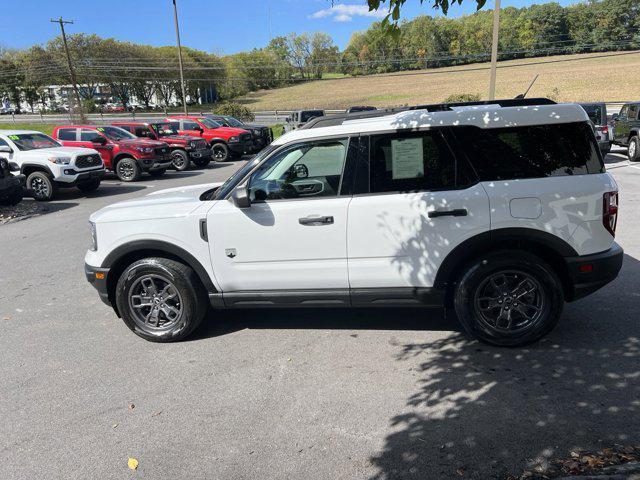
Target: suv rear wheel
[
  {"x": 40, "y": 185},
  {"x": 220, "y": 152},
  {"x": 161, "y": 300},
  {"x": 509, "y": 298},
  {"x": 127, "y": 170},
  {"x": 634, "y": 149}
]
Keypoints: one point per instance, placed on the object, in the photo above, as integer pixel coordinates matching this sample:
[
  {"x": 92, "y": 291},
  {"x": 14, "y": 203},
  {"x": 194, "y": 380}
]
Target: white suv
[
  {"x": 48, "y": 165},
  {"x": 502, "y": 212}
]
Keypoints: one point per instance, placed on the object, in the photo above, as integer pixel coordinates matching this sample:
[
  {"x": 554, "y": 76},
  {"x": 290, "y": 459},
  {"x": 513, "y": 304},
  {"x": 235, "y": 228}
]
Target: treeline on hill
[{"x": 424, "y": 42}]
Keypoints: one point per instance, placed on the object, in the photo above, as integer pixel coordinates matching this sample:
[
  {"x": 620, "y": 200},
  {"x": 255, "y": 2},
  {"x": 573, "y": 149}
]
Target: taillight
[
  {"x": 610, "y": 211},
  {"x": 604, "y": 129}
]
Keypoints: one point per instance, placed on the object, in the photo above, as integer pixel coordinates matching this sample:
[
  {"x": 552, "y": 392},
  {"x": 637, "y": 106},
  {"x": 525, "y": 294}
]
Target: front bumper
[
  {"x": 241, "y": 147},
  {"x": 589, "y": 273},
  {"x": 200, "y": 154},
  {"x": 155, "y": 163},
  {"x": 97, "y": 277},
  {"x": 72, "y": 177}
]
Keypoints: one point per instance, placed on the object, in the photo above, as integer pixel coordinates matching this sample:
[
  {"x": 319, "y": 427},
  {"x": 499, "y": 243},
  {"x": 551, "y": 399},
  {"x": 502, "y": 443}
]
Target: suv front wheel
[
  {"x": 40, "y": 185},
  {"x": 161, "y": 300},
  {"x": 634, "y": 149},
  {"x": 509, "y": 298},
  {"x": 128, "y": 170}
]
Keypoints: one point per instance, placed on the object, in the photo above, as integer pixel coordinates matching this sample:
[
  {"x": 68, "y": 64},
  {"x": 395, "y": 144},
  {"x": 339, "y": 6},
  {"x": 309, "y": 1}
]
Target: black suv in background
[
  {"x": 626, "y": 129},
  {"x": 260, "y": 136},
  {"x": 10, "y": 185},
  {"x": 598, "y": 115}
]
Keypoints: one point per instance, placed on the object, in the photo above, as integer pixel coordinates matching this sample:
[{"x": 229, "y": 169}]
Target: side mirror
[
  {"x": 99, "y": 140},
  {"x": 240, "y": 197},
  {"x": 14, "y": 167},
  {"x": 5, "y": 149}
]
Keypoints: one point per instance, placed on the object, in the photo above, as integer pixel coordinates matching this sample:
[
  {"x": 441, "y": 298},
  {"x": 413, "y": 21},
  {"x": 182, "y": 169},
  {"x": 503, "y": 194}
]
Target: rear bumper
[
  {"x": 589, "y": 273},
  {"x": 97, "y": 277}
]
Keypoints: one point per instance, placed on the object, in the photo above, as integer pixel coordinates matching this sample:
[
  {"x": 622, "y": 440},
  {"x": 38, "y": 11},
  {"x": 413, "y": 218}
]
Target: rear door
[
  {"x": 621, "y": 126},
  {"x": 414, "y": 202},
  {"x": 68, "y": 137}
]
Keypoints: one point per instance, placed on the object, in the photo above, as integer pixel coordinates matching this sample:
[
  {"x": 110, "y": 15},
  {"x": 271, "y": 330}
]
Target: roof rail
[{"x": 339, "y": 118}]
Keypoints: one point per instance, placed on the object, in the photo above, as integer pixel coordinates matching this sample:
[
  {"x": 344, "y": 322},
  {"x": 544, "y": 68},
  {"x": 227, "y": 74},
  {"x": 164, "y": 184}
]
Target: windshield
[
  {"x": 207, "y": 122},
  {"x": 33, "y": 141},
  {"x": 309, "y": 114},
  {"x": 594, "y": 112},
  {"x": 165, "y": 129},
  {"x": 232, "y": 122},
  {"x": 115, "y": 133},
  {"x": 234, "y": 179}
]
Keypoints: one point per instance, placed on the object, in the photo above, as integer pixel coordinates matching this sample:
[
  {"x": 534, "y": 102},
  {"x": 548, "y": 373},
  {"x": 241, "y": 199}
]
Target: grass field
[
  {"x": 40, "y": 127},
  {"x": 586, "y": 77}
]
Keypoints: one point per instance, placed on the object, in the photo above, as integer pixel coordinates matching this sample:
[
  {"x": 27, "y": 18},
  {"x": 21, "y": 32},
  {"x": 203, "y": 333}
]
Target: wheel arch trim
[{"x": 162, "y": 247}]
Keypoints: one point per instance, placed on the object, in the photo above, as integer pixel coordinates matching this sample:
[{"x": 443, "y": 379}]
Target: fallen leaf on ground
[
  {"x": 131, "y": 406},
  {"x": 115, "y": 425},
  {"x": 132, "y": 463},
  {"x": 155, "y": 414}
]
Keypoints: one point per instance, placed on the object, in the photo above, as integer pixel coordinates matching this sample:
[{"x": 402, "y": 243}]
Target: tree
[{"x": 394, "y": 6}]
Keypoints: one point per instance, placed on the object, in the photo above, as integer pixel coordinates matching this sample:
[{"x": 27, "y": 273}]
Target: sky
[{"x": 216, "y": 26}]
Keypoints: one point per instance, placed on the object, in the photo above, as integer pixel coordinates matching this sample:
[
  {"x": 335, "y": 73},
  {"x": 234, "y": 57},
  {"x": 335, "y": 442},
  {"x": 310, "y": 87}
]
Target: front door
[
  {"x": 621, "y": 126},
  {"x": 293, "y": 237},
  {"x": 189, "y": 127},
  {"x": 416, "y": 204}
]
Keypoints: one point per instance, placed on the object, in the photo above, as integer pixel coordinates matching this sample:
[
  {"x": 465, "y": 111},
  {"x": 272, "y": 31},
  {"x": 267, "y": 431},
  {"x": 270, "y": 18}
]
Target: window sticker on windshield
[
  {"x": 407, "y": 158},
  {"x": 14, "y": 137},
  {"x": 100, "y": 129}
]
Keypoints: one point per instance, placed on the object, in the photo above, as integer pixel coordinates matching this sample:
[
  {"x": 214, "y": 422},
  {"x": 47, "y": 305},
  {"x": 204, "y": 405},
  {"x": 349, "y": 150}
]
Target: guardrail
[{"x": 263, "y": 117}]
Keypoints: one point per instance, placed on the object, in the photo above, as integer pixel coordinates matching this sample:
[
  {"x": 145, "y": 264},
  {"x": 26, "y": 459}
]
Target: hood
[
  {"x": 168, "y": 203},
  {"x": 58, "y": 152},
  {"x": 230, "y": 130},
  {"x": 141, "y": 142},
  {"x": 180, "y": 138}
]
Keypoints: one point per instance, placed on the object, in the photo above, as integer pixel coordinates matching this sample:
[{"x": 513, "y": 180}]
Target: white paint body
[{"x": 377, "y": 240}]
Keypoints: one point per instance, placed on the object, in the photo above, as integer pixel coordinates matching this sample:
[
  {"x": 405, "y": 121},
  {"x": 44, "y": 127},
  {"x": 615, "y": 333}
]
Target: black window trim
[
  {"x": 76, "y": 133},
  {"x": 448, "y": 139},
  {"x": 348, "y": 136}
]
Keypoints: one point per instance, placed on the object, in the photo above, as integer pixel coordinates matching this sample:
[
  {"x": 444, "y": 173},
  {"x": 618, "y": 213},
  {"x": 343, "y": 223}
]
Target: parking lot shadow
[
  {"x": 485, "y": 412},
  {"x": 222, "y": 322},
  {"x": 105, "y": 190}
]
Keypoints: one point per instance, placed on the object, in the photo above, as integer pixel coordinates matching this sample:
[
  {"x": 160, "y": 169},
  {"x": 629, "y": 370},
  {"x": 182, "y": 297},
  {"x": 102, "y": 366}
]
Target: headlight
[
  {"x": 144, "y": 149},
  {"x": 60, "y": 160},
  {"x": 93, "y": 246},
  {"x": 234, "y": 139},
  {"x": 193, "y": 144}
]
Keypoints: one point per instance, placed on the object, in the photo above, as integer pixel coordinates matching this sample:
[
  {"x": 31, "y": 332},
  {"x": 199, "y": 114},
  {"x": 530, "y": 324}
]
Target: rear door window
[
  {"x": 68, "y": 134},
  {"x": 531, "y": 151},
  {"x": 87, "y": 135}
]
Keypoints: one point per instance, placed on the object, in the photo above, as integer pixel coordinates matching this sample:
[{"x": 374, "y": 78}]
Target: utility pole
[
  {"x": 494, "y": 51},
  {"x": 72, "y": 73},
  {"x": 184, "y": 93}
]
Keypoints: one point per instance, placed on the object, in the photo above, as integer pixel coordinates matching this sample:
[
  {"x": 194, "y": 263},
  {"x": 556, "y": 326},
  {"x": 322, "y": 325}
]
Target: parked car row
[{"x": 80, "y": 155}]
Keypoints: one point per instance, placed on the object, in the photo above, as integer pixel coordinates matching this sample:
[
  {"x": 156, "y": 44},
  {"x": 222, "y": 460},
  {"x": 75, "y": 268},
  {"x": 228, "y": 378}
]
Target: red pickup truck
[
  {"x": 185, "y": 149},
  {"x": 225, "y": 142},
  {"x": 123, "y": 153}
]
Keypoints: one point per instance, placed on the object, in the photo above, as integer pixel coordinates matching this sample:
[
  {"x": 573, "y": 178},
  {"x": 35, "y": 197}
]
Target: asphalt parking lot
[{"x": 338, "y": 394}]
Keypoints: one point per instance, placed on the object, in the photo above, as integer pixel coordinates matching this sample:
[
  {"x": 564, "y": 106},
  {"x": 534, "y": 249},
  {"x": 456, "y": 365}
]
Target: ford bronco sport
[
  {"x": 123, "y": 153},
  {"x": 185, "y": 149},
  {"x": 503, "y": 213},
  {"x": 48, "y": 165}
]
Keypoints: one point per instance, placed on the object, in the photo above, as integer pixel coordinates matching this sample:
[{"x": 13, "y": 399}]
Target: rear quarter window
[{"x": 532, "y": 151}]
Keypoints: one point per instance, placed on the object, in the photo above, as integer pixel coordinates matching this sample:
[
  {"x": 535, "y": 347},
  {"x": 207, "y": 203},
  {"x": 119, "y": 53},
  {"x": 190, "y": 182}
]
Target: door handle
[
  {"x": 316, "y": 220},
  {"x": 458, "y": 212}
]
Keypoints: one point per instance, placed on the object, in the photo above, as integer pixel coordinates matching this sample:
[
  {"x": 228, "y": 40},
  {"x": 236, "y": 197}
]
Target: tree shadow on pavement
[{"x": 486, "y": 412}]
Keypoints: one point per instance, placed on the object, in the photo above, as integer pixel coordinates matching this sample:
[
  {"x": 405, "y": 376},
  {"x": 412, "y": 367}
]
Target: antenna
[{"x": 522, "y": 95}]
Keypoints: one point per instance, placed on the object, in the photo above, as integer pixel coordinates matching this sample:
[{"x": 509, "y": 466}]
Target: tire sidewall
[
  {"x": 45, "y": 178},
  {"x": 636, "y": 155},
  {"x": 184, "y": 160},
  {"x": 134, "y": 164},
  {"x": 492, "y": 263},
  {"x": 222, "y": 146},
  {"x": 183, "y": 281}
]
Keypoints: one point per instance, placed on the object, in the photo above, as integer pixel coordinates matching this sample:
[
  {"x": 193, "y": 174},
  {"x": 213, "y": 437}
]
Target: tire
[
  {"x": 40, "y": 186},
  {"x": 220, "y": 152},
  {"x": 633, "y": 151},
  {"x": 201, "y": 162},
  {"x": 188, "y": 302},
  {"x": 158, "y": 173},
  {"x": 180, "y": 160},
  {"x": 128, "y": 170},
  {"x": 491, "y": 303},
  {"x": 90, "y": 186},
  {"x": 13, "y": 199}
]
